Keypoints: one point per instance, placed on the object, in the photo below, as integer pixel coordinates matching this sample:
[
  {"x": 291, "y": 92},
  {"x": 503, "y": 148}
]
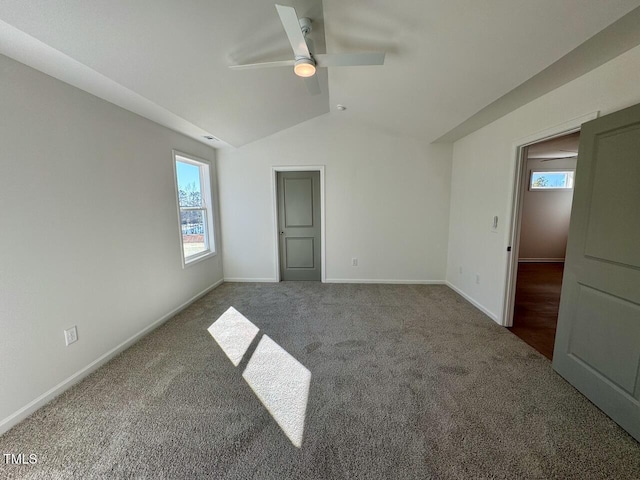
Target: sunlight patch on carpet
[
  {"x": 282, "y": 385},
  {"x": 234, "y": 333}
]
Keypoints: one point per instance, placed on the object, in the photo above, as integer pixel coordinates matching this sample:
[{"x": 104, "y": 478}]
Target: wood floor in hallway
[{"x": 536, "y": 306}]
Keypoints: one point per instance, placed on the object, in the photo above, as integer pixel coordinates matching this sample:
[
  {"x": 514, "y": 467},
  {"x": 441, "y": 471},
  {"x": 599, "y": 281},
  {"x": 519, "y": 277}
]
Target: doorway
[
  {"x": 546, "y": 193},
  {"x": 299, "y": 223}
]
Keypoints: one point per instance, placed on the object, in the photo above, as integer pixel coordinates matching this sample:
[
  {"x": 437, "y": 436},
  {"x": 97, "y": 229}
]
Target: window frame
[
  {"x": 533, "y": 171},
  {"x": 207, "y": 206}
]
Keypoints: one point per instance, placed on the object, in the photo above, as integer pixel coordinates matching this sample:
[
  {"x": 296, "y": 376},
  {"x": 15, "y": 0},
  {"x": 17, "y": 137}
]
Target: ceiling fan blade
[
  {"x": 280, "y": 63},
  {"x": 348, "y": 59},
  {"x": 313, "y": 85},
  {"x": 291, "y": 24},
  {"x": 555, "y": 158}
]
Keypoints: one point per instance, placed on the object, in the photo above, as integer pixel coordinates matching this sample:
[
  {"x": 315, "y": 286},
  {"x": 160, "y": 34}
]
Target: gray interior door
[
  {"x": 299, "y": 225},
  {"x": 597, "y": 346}
]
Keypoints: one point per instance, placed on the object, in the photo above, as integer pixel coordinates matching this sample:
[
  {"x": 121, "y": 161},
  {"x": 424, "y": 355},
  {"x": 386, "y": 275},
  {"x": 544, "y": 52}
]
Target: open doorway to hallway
[{"x": 546, "y": 193}]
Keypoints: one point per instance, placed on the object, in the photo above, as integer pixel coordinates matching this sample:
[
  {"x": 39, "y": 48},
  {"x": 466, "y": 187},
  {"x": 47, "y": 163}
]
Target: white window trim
[{"x": 205, "y": 188}]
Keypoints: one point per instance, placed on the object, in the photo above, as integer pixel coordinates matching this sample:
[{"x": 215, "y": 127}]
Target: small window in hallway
[{"x": 551, "y": 180}]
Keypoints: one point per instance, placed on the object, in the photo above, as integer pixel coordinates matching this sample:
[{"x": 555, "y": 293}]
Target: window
[
  {"x": 193, "y": 188},
  {"x": 551, "y": 180}
]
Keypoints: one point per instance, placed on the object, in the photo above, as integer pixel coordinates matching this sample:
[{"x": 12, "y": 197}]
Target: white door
[{"x": 597, "y": 346}]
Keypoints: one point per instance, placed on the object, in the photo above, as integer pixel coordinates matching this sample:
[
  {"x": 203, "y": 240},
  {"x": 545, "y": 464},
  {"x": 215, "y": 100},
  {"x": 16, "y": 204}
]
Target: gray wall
[
  {"x": 545, "y": 217},
  {"x": 89, "y": 232},
  {"x": 483, "y": 173},
  {"x": 387, "y": 202}
]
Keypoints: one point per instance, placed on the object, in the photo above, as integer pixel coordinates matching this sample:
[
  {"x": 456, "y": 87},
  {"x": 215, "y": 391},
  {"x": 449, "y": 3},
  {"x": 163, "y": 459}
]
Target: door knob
[{"x": 281, "y": 233}]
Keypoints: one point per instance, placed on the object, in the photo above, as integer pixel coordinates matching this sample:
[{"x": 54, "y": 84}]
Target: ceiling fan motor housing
[{"x": 305, "y": 25}]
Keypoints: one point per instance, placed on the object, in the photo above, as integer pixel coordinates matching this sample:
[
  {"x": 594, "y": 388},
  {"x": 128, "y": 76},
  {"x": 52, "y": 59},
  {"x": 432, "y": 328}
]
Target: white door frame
[
  {"x": 276, "y": 229},
  {"x": 517, "y": 196}
]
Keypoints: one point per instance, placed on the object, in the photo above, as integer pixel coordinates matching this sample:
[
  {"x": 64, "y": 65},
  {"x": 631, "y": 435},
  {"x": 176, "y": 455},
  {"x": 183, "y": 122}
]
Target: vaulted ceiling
[{"x": 446, "y": 59}]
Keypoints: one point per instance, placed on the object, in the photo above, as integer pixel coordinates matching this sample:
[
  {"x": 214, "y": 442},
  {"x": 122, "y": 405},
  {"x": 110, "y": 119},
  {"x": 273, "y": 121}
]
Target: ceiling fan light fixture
[{"x": 305, "y": 67}]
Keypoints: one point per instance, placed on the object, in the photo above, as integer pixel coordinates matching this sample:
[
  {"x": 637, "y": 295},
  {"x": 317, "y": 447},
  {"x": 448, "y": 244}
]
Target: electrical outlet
[
  {"x": 478, "y": 278},
  {"x": 460, "y": 270},
  {"x": 71, "y": 335},
  {"x": 354, "y": 262}
]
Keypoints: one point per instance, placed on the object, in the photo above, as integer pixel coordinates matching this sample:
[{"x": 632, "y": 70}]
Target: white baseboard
[
  {"x": 541, "y": 260},
  {"x": 384, "y": 282},
  {"x": 251, "y": 280},
  {"x": 343, "y": 280},
  {"x": 479, "y": 306},
  {"x": 46, "y": 397}
]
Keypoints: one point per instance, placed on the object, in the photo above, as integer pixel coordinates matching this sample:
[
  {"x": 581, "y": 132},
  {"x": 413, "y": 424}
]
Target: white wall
[
  {"x": 387, "y": 202},
  {"x": 89, "y": 232},
  {"x": 483, "y": 174},
  {"x": 545, "y": 216}
]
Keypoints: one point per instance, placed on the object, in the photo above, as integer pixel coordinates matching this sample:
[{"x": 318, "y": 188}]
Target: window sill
[{"x": 197, "y": 259}]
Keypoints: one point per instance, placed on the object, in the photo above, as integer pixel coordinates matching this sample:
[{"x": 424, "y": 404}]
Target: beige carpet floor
[{"x": 407, "y": 382}]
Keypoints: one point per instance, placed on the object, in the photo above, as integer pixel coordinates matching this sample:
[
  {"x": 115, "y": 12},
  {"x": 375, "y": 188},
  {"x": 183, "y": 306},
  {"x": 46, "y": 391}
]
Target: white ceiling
[
  {"x": 446, "y": 59},
  {"x": 560, "y": 147}
]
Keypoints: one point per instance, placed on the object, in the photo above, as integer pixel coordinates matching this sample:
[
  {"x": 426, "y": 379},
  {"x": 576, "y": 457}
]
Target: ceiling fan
[
  {"x": 554, "y": 158},
  {"x": 568, "y": 154},
  {"x": 305, "y": 62}
]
